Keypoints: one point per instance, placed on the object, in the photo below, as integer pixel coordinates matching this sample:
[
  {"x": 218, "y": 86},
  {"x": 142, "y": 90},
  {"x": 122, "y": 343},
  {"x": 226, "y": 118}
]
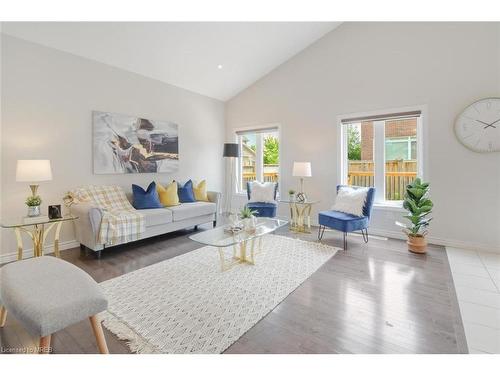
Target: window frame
[
  {"x": 379, "y": 157},
  {"x": 260, "y": 157}
]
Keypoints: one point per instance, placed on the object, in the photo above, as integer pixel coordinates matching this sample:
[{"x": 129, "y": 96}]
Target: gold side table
[
  {"x": 37, "y": 231},
  {"x": 300, "y": 215}
]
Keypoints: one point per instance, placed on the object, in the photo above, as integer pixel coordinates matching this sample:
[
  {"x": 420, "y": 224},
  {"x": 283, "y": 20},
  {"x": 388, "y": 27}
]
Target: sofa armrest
[
  {"x": 215, "y": 197},
  {"x": 87, "y": 224}
]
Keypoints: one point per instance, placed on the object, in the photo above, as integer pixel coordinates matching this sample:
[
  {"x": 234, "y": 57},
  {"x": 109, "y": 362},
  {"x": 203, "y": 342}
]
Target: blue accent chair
[
  {"x": 346, "y": 223},
  {"x": 263, "y": 209}
]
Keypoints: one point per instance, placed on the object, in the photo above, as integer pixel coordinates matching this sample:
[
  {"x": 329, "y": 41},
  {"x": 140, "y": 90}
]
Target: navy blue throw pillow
[
  {"x": 186, "y": 194},
  {"x": 146, "y": 199}
]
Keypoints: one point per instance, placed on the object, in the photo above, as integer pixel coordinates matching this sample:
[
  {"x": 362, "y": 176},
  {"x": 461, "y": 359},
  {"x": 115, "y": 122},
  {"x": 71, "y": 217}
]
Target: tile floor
[{"x": 477, "y": 281}]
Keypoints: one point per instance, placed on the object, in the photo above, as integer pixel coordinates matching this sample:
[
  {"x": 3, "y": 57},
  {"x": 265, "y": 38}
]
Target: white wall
[
  {"x": 1, "y": 105},
  {"x": 369, "y": 66},
  {"x": 47, "y": 99}
]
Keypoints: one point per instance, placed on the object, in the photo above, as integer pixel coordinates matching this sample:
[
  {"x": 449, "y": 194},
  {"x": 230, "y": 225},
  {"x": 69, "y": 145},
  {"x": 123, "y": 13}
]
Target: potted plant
[
  {"x": 248, "y": 218},
  {"x": 291, "y": 195},
  {"x": 33, "y": 202},
  {"x": 419, "y": 206}
]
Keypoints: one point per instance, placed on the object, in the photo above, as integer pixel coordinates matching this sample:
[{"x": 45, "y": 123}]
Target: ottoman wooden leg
[
  {"x": 44, "y": 346},
  {"x": 3, "y": 316},
  {"x": 99, "y": 335}
]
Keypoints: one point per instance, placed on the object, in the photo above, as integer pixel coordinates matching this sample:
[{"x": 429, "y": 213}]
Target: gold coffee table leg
[{"x": 245, "y": 254}]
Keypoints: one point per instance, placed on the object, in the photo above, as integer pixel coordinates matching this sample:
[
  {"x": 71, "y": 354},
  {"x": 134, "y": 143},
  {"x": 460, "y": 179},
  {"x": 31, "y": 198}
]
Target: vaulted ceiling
[{"x": 216, "y": 59}]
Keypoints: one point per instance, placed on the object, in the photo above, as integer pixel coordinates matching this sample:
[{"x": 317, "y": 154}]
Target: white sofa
[{"x": 158, "y": 220}]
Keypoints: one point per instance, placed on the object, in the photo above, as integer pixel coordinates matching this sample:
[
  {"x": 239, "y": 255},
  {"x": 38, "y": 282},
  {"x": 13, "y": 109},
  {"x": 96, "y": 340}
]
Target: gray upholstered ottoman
[{"x": 47, "y": 294}]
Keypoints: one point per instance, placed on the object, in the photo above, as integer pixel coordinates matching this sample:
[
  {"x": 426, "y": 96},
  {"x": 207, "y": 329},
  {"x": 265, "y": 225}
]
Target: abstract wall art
[{"x": 128, "y": 144}]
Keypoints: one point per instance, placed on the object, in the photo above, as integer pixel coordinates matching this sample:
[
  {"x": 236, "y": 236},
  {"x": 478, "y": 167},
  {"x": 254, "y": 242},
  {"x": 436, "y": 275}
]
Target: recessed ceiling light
[{"x": 219, "y": 66}]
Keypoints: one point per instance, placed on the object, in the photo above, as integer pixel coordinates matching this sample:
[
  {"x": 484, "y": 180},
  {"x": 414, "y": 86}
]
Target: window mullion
[
  {"x": 379, "y": 159},
  {"x": 259, "y": 158}
]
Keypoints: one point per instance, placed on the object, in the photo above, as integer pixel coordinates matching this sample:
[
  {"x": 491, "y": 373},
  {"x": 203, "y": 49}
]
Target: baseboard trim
[
  {"x": 28, "y": 253},
  {"x": 438, "y": 241},
  {"x": 431, "y": 239}
]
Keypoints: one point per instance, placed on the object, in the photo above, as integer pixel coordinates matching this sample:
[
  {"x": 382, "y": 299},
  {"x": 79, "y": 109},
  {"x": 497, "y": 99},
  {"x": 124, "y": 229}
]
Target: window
[
  {"x": 259, "y": 156},
  {"x": 381, "y": 151}
]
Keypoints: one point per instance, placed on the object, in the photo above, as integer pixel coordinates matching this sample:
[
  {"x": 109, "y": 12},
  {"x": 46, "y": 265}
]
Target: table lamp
[
  {"x": 301, "y": 169},
  {"x": 33, "y": 171}
]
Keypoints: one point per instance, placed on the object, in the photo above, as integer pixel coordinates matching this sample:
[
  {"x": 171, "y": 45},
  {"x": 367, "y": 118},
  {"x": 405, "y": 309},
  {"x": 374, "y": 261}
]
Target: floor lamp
[{"x": 231, "y": 151}]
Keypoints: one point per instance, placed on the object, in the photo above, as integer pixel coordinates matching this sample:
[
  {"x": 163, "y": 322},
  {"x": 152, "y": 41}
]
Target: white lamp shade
[
  {"x": 302, "y": 169},
  {"x": 33, "y": 171}
]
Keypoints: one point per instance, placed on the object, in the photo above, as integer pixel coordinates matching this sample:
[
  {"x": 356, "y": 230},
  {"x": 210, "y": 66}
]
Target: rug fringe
[{"x": 135, "y": 342}]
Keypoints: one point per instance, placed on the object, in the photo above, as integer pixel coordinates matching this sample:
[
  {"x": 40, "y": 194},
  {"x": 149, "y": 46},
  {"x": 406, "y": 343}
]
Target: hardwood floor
[{"x": 374, "y": 298}]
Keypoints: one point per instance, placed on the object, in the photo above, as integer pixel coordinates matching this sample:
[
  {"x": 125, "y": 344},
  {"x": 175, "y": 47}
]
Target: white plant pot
[
  {"x": 33, "y": 211},
  {"x": 249, "y": 223}
]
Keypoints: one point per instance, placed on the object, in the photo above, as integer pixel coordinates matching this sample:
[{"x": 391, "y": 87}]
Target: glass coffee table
[{"x": 244, "y": 242}]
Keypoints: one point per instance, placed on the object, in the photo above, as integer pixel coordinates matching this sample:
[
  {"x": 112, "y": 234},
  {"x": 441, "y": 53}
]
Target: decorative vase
[
  {"x": 417, "y": 244},
  {"x": 249, "y": 224},
  {"x": 33, "y": 211}
]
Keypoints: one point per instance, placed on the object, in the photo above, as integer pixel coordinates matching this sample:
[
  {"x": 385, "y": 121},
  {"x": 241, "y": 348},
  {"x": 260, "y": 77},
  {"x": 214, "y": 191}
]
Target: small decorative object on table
[
  {"x": 69, "y": 199},
  {"x": 419, "y": 206},
  {"x": 55, "y": 211},
  {"x": 33, "y": 202},
  {"x": 248, "y": 218},
  {"x": 291, "y": 195},
  {"x": 233, "y": 229}
]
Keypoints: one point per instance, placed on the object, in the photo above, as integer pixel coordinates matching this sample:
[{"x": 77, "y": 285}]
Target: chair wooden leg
[
  {"x": 3, "y": 316},
  {"x": 99, "y": 335},
  {"x": 44, "y": 346}
]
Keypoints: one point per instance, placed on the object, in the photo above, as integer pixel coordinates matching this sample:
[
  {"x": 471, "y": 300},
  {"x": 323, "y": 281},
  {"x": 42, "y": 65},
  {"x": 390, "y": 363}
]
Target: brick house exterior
[{"x": 393, "y": 129}]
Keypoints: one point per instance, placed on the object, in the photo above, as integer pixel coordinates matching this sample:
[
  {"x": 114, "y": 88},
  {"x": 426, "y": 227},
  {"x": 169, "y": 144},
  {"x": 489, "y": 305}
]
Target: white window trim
[
  {"x": 237, "y": 164},
  {"x": 422, "y": 144}
]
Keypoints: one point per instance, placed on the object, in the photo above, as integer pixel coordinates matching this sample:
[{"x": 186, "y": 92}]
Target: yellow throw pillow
[
  {"x": 200, "y": 191},
  {"x": 168, "y": 195}
]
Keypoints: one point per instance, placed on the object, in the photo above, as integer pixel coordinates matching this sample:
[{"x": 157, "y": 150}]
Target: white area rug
[{"x": 187, "y": 305}]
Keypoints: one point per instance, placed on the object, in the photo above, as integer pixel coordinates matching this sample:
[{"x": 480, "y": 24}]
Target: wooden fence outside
[
  {"x": 398, "y": 174},
  {"x": 268, "y": 177}
]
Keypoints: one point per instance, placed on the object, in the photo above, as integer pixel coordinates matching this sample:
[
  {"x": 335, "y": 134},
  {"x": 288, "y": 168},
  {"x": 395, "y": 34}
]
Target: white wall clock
[{"x": 478, "y": 126}]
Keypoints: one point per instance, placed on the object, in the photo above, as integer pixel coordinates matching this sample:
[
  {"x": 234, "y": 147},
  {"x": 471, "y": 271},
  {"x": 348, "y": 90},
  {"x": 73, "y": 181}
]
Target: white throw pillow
[
  {"x": 262, "y": 192},
  {"x": 350, "y": 201}
]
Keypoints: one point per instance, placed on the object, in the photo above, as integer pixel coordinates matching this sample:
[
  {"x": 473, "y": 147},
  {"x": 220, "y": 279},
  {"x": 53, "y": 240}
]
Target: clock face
[{"x": 478, "y": 126}]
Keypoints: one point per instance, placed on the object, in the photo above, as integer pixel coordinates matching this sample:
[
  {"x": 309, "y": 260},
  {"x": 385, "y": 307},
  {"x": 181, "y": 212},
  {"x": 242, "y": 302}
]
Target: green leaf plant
[
  {"x": 419, "y": 206},
  {"x": 33, "y": 201},
  {"x": 247, "y": 213}
]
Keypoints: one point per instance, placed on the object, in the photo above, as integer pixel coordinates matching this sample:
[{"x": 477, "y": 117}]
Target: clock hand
[
  {"x": 491, "y": 125},
  {"x": 482, "y": 122},
  {"x": 494, "y": 122}
]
